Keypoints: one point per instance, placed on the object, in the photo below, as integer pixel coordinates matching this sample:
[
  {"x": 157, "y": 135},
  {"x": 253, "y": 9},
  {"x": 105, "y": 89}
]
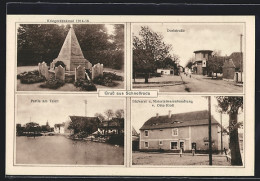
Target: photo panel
[
  {"x": 175, "y": 130},
  {"x": 69, "y": 130},
  {"x": 201, "y": 57},
  {"x": 70, "y": 57}
]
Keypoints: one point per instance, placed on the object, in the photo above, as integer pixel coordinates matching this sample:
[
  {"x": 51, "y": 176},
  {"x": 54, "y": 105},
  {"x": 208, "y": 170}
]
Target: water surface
[{"x": 61, "y": 150}]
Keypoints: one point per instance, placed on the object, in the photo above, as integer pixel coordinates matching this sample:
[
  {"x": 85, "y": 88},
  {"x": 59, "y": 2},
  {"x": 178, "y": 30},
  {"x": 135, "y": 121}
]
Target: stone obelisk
[{"x": 71, "y": 54}]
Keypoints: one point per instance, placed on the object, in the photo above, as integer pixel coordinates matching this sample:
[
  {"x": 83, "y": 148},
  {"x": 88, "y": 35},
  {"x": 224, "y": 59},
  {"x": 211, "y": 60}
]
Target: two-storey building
[
  {"x": 181, "y": 131},
  {"x": 201, "y": 59}
]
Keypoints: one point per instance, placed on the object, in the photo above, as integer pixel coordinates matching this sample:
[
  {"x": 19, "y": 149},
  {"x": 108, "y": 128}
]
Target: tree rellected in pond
[
  {"x": 149, "y": 51},
  {"x": 232, "y": 106},
  {"x": 42, "y": 42}
]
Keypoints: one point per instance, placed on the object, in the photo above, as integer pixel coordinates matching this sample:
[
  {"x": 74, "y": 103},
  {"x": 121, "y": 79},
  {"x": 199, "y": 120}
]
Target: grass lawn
[
  {"x": 143, "y": 158},
  {"x": 66, "y": 87}
]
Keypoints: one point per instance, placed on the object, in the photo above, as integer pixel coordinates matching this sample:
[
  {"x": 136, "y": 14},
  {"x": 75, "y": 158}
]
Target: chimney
[
  {"x": 170, "y": 114},
  {"x": 157, "y": 115}
]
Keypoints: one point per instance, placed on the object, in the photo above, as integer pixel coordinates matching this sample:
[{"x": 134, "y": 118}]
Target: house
[
  {"x": 200, "y": 62},
  {"x": 85, "y": 124},
  {"x": 62, "y": 128},
  {"x": 184, "y": 131},
  {"x": 233, "y": 67},
  {"x": 59, "y": 128},
  {"x": 165, "y": 71},
  {"x": 113, "y": 126},
  {"x": 181, "y": 69}
]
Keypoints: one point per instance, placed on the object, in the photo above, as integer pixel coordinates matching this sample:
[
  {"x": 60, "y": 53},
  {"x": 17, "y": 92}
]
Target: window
[
  {"x": 174, "y": 145},
  {"x": 204, "y": 55},
  {"x": 146, "y": 133},
  {"x": 146, "y": 144},
  {"x": 160, "y": 142},
  {"x": 175, "y": 132}
]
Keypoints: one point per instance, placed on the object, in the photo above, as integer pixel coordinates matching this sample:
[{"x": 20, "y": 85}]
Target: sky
[
  {"x": 198, "y": 36},
  {"x": 141, "y": 112},
  {"x": 60, "y": 111}
]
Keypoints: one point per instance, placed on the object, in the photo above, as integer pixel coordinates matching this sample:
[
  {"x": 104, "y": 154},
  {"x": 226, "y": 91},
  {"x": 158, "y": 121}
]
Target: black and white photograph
[
  {"x": 69, "y": 130},
  {"x": 188, "y": 57},
  {"x": 70, "y": 57},
  {"x": 194, "y": 130}
]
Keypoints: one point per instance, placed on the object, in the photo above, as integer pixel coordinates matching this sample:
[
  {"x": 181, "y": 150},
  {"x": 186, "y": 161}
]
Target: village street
[
  {"x": 143, "y": 158},
  {"x": 183, "y": 83}
]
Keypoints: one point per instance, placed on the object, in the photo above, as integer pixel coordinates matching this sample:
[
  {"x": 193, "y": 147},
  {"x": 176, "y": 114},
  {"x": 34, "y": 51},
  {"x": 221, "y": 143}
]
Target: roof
[
  {"x": 59, "y": 125},
  {"x": 84, "y": 118},
  {"x": 134, "y": 132},
  {"x": 229, "y": 64},
  {"x": 179, "y": 120},
  {"x": 203, "y": 51},
  {"x": 237, "y": 58},
  {"x": 115, "y": 122}
]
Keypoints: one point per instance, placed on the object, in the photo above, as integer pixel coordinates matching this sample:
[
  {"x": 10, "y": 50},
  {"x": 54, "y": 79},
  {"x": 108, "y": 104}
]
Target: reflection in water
[{"x": 61, "y": 150}]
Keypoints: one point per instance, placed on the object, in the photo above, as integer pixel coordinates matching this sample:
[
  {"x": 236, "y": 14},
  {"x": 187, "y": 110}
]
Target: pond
[{"x": 60, "y": 150}]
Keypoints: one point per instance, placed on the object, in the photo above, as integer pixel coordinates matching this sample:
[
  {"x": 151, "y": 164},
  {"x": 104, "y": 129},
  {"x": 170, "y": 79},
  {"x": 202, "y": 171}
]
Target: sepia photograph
[
  {"x": 67, "y": 57},
  {"x": 190, "y": 130},
  {"x": 188, "y": 57},
  {"x": 69, "y": 130}
]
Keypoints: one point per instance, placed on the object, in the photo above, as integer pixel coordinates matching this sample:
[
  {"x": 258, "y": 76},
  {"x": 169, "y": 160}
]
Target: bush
[
  {"x": 85, "y": 85},
  {"x": 117, "y": 139},
  {"x": 30, "y": 77},
  {"x": 53, "y": 84},
  {"x": 105, "y": 81},
  {"x": 112, "y": 76},
  {"x": 69, "y": 78}
]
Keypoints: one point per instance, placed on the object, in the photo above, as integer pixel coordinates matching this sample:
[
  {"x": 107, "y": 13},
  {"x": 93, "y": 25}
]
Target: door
[
  {"x": 236, "y": 77},
  {"x": 193, "y": 146},
  {"x": 182, "y": 145}
]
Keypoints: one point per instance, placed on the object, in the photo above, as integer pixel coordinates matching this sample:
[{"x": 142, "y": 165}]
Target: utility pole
[
  {"x": 221, "y": 132},
  {"x": 210, "y": 142}
]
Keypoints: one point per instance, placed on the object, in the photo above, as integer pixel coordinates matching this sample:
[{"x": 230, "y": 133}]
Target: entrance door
[
  {"x": 236, "y": 77},
  {"x": 193, "y": 145},
  {"x": 182, "y": 145}
]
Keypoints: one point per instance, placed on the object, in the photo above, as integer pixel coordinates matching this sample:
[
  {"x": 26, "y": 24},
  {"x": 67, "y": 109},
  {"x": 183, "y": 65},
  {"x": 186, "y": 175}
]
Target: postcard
[{"x": 130, "y": 95}]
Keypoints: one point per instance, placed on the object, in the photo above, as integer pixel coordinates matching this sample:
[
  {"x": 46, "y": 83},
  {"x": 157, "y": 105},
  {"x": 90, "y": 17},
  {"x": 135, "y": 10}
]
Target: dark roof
[
  {"x": 229, "y": 64},
  {"x": 134, "y": 132},
  {"x": 197, "y": 51},
  {"x": 59, "y": 125},
  {"x": 237, "y": 58},
  {"x": 115, "y": 122},
  {"x": 179, "y": 120},
  {"x": 83, "y": 118}
]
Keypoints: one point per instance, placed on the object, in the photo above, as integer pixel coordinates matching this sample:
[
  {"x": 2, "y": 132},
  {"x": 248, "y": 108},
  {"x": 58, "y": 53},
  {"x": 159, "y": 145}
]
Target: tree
[
  {"x": 232, "y": 105},
  {"x": 216, "y": 53},
  {"x": 86, "y": 126},
  {"x": 32, "y": 127},
  {"x": 189, "y": 65},
  {"x": 190, "y": 62},
  {"x": 119, "y": 36},
  {"x": 39, "y": 42},
  {"x": 109, "y": 113},
  {"x": 100, "y": 116},
  {"x": 215, "y": 65},
  {"x": 119, "y": 113},
  {"x": 43, "y": 42},
  {"x": 148, "y": 48}
]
